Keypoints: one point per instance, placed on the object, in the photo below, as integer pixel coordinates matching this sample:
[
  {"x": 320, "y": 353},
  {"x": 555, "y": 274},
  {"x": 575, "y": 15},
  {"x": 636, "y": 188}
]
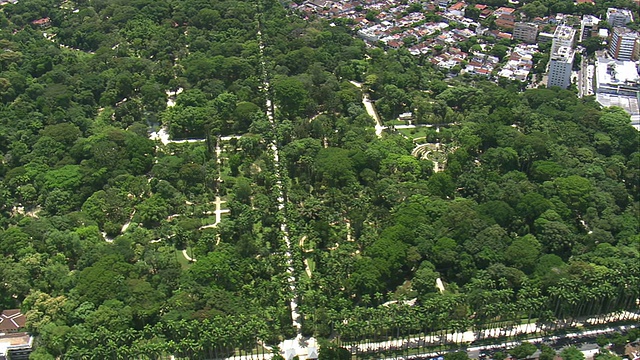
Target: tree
[
  {"x": 153, "y": 210},
  {"x": 574, "y": 191},
  {"x": 523, "y": 350},
  {"x": 606, "y": 355},
  {"x": 523, "y": 253},
  {"x": 111, "y": 314},
  {"x": 571, "y": 353},
  {"x": 547, "y": 352},
  {"x": 329, "y": 351},
  {"x": 424, "y": 280},
  {"x": 442, "y": 185},
  {"x": 592, "y": 44},
  {"x": 41, "y": 353},
  {"x": 334, "y": 166},
  {"x": 499, "y": 51},
  {"x": 291, "y": 96},
  {"x": 366, "y": 277},
  {"x": 458, "y": 355},
  {"x": 535, "y": 9}
]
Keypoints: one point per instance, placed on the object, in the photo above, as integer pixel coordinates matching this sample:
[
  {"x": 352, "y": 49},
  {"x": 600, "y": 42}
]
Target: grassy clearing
[
  {"x": 414, "y": 133},
  {"x": 184, "y": 263}
]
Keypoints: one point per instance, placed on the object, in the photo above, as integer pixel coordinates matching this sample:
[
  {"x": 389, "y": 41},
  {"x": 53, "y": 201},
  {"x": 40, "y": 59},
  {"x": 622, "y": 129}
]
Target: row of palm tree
[
  {"x": 493, "y": 310},
  {"x": 216, "y": 338},
  {"x": 486, "y": 309}
]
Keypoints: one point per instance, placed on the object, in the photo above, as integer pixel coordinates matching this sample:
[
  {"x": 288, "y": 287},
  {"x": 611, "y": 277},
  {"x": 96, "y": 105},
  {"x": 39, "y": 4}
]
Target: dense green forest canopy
[{"x": 534, "y": 216}]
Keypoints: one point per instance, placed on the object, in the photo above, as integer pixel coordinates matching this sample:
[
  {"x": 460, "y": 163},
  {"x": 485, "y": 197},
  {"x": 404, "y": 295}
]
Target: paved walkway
[
  {"x": 186, "y": 256},
  {"x": 298, "y": 345},
  {"x": 218, "y": 212}
]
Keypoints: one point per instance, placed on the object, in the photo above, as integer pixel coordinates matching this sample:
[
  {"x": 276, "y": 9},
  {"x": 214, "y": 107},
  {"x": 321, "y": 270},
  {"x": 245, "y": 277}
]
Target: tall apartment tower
[
  {"x": 624, "y": 44},
  {"x": 560, "y": 65},
  {"x": 564, "y": 36},
  {"x": 588, "y": 24},
  {"x": 561, "y": 60},
  {"x": 526, "y": 32},
  {"x": 619, "y": 17}
]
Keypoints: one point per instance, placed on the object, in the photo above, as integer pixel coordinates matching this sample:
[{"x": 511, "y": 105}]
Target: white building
[
  {"x": 560, "y": 67},
  {"x": 624, "y": 44},
  {"x": 617, "y": 77},
  {"x": 618, "y": 84},
  {"x": 564, "y": 36},
  {"x": 588, "y": 24},
  {"x": 619, "y": 17}
]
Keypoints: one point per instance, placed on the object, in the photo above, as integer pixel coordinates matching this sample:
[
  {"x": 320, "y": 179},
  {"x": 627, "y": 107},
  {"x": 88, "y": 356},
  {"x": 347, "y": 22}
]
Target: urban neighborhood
[{"x": 506, "y": 42}]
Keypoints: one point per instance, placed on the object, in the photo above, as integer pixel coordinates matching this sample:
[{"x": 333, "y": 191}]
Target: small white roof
[{"x": 312, "y": 352}]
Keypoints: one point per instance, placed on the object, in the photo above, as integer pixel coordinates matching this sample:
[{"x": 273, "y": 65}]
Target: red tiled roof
[
  {"x": 505, "y": 23},
  {"x": 505, "y": 10},
  {"x": 11, "y": 320},
  {"x": 457, "y": 6},
  {"x": 41, "y": 21},
  {"x": 507, "y": 17}
]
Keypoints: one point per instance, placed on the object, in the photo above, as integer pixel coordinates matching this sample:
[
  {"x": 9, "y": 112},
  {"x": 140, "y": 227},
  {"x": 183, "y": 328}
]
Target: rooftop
[
  {"x": 627, "y": 103},
  {"x": 610, "y": 71},
  {"x": 564, "y": 53},
  {"x": 590, "y": 20},
  {"x": 505, "y": 10},
  {"x": 625, "y": 12},
  {"x": 11, "y": 320},
  {"x": 564, "y": 32},
  {"x": 626, "y": 32},
  {"x": 14, "y": 341}
]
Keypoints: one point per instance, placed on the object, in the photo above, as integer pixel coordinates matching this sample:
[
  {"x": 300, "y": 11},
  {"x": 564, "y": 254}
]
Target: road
[
  {"x": 585, "y": 78},
  {"x": 472, "y": 336},
  {"x": 583, "y": 340}
]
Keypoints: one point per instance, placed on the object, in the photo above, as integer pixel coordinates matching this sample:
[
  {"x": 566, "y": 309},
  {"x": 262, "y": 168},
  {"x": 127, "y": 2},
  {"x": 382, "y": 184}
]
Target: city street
[{"x": 585, "y": 78}]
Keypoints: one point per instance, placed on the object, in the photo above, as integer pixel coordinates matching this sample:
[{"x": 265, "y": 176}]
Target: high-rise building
[
  {"x": 560, "y": 65},
  {"x": 561, "y": 59},
  {"x": 624, "y": 44},
  {"x": 619, "y": 17},
  {"x": 564, "y": 36},
  {"x": 526, "y": 32},
  {"x": 588, "y": 25}
]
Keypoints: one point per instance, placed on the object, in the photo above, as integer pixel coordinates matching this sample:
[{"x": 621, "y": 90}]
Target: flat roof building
[
  {"x": 617, "y": 77},
  {"x": 588, "y": 25},
  {"x": 527, "y": 32},
  {"x": 14, "y": 343},
  {"x": 619, "y": 17},
  {"x": 564, "y": 36},
  {"x": 544, "y": 37},
  {"x": 624, "y": 44},
  {"x": 560, "y": 65}
]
